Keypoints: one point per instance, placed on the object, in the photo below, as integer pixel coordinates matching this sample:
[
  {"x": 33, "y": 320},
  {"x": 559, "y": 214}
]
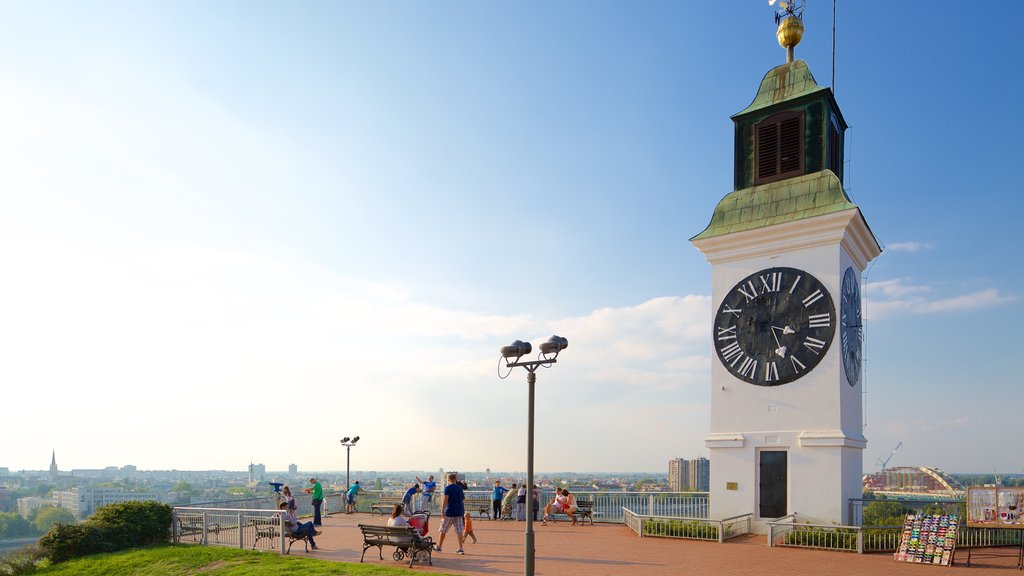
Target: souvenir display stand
[
  {"x": 996, "y": 508},
  {"x": 928, "y": 539}
]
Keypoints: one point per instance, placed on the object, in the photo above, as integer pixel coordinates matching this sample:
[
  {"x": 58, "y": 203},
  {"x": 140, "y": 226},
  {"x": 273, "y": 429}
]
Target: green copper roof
[
  {"x": 781, "y": 83},
  {"x": 783, "y": 201}
]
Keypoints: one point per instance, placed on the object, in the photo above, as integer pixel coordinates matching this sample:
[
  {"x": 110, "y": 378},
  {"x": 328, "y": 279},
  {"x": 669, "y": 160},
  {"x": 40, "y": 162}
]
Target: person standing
[
  {"x": 350, "y": 497},
  {"x": 428, "y": 491},
  {"x": 316, "y": 491},
  {"x": 453, "y": 506},
  {"x": 407, "y": 500},
  {"x": 496, "y": 496},
  {"x": 521, "y": 503}
]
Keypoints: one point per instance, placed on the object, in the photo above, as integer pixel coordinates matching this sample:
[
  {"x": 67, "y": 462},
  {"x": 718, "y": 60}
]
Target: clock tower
[{"x": 787, "y": 248}]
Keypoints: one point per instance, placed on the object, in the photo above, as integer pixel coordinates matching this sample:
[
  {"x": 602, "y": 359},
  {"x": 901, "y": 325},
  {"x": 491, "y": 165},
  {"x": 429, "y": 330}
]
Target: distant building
[
  {"x": 293, "y": 469},
  {"x": 29, "y": 504},
  {"x": 678, "y": 474},
  {"x": 83, "y": 501},
  {"x": 699, "y": 474},
  {"x": 53, "y": 468},
  {"x": 689, "y": 475},
  {"x": 257, "y": 472}
]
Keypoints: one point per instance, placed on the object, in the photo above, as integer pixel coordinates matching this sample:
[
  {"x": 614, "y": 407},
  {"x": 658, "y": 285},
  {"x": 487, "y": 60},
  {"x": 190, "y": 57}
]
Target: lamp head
[
  {"x": 516, "y": 350},
  {"x": 356, "y": 439},
  {"x": 554, "y": 345},
  {"x": 345, "y": 439}
]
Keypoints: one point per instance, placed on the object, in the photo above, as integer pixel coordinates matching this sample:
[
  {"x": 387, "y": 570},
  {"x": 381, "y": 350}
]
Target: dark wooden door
[{"x": 772, "y": 486}]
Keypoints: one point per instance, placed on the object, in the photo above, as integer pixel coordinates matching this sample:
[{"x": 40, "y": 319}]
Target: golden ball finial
[{"x": 791, "y": 30}]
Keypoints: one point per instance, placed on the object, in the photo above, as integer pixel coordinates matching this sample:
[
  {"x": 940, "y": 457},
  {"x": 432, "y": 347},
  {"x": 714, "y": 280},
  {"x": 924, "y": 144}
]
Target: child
[{"x": 467, "y": 521}]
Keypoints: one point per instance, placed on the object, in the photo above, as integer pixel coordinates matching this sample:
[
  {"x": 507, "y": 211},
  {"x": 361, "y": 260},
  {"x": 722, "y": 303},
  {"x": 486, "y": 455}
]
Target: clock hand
[{"x": 781, "y": 350}]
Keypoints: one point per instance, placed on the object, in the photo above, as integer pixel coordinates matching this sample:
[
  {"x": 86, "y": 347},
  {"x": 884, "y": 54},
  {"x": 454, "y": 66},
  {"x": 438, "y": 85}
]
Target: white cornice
[
  {"x": 847, "y": 228},
  {"x": 831, "y": 438}
]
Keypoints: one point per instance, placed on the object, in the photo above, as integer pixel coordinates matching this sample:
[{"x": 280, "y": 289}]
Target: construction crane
[{"x": 883, "y": 463}]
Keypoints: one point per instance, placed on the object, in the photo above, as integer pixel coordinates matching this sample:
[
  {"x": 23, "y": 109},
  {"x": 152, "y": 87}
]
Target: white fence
[{"x": 687, "y": 528}]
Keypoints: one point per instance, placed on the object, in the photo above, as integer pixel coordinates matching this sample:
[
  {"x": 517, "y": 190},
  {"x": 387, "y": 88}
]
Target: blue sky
[{"x": 326, "y": 217}]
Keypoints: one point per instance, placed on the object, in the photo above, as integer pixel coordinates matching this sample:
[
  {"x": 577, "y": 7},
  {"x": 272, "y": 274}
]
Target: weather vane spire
[{"x": 790, "y": 19}]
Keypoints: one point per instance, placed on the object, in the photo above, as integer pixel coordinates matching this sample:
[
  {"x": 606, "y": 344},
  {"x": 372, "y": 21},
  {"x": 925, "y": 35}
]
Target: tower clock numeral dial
[
  {"x": 774, "y": 326},
  {"x": 851, "y": 326}
]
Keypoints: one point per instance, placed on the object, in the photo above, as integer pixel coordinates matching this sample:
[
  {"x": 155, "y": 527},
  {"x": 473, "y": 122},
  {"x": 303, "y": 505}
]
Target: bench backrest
[{"x": 388, "y": 534}]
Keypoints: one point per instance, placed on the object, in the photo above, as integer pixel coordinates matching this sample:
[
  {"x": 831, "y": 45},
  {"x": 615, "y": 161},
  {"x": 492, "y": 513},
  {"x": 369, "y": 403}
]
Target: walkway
[{"x": 612, "y": 550}]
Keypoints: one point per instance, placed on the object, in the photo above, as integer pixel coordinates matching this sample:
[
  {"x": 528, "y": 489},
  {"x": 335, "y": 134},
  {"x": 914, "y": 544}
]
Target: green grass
[{"x": 185, "y": 560}]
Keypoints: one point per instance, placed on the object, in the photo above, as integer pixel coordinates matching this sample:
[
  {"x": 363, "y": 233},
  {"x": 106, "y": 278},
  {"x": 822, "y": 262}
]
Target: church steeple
[{"x": 53, "y": 467}]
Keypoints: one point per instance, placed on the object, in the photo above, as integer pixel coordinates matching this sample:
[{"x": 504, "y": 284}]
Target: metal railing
[
  {"x": 334, "y": 502},
  {"x": 687, "y": 528},
  {"x": 608, "y": 506},
  {"x": 228, "y": 527},
  {"x": 787, "y": 531}
]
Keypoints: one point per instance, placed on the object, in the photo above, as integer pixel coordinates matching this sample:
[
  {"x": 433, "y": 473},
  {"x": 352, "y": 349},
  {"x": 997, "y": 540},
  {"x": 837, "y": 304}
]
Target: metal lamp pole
[
  {"x": 348, "y": 443},
  {"x": 511, "y": 354}
]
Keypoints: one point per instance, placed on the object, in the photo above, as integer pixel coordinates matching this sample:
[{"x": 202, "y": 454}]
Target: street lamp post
[
  {"x": 348, "y": 443},
  {"x": 511, "y": 354}
]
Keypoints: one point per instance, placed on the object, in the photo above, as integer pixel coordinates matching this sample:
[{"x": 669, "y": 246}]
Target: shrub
[
  {"x": 113, "y": 527},
  {"x": 20, "y": 562}
]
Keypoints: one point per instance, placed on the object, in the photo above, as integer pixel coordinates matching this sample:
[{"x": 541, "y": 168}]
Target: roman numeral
[
  {"x": 814, "y": 345},
  {"x": 795, "y": 282},
  {"x": 753, "y": 290},
  {"x": 771, "y": 372},
  {"x": 771, "y": 283},
  {"x": 748, "y": 368},
  {"x": 814, "y": 297},
  {"x": 727, "y": 333},
  {"x": 819, "y": 320},
  {"x": 798, "y": 366},
  {"x": 735, "y": 311},
  {"x": 731, "y": 353}
]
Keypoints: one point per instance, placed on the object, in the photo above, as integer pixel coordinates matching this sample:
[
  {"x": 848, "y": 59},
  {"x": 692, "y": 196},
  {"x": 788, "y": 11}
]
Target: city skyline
[{"x": 240, "y": 232}]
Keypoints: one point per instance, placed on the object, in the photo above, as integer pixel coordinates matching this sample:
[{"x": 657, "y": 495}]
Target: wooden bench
[
  {"x": 481, "y": 506},
  {"x": 584, "y": 511},
  {"x": 270, "y": 532},
  {"x": 405, "y": 540},
  {"x": 194, "y": 526},
  {"x": 385, "y": 504}
]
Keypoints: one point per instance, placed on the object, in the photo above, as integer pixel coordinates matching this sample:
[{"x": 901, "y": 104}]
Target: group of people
[
  {"x": 288, "y": 506},
  {"x": 454, "y": 514}
]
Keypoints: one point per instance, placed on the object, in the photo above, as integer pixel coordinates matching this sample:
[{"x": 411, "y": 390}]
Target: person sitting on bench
[{"x": 298, "y": 529}]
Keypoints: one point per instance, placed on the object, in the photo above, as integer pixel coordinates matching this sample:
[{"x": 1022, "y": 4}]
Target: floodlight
[
  {"x": 345, "y": 439},
  {"x": 516, "y": 349},
  {"x": 554, "y": 345},
  {"x": 356, "y": 439}
]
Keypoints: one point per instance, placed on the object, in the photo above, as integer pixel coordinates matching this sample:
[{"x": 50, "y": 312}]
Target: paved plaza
[{"x": 613, "y": 550}]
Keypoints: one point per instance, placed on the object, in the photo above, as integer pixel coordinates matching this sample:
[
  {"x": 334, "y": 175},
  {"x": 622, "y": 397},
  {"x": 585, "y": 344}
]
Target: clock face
[
  {"x": 774, "y": 326},
  {"x": 851, "y": 329}
]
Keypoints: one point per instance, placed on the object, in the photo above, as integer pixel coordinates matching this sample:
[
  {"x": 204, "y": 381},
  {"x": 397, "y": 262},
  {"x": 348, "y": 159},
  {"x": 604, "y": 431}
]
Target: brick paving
[{"x": 613, "y": 550}]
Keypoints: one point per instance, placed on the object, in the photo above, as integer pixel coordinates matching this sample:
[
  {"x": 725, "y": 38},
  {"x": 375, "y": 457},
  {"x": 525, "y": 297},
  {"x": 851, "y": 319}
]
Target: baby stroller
[{"x": 419, "y": 549}]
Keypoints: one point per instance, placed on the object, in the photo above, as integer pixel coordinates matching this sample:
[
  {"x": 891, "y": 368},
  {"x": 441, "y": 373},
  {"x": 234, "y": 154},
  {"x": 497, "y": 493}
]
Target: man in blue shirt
[
  {"x": 453, "y": 506},
  {"x": 496, "y": 497},
  {"x": 428, "y": 490},
  {"x": 407, "y": 499},
  {"x": 351, "y": 498}
]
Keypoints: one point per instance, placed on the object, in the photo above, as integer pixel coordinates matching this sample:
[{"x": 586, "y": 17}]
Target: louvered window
[
  {"x": 835, "y": 148},
  {"x": 780, "y": 147}
]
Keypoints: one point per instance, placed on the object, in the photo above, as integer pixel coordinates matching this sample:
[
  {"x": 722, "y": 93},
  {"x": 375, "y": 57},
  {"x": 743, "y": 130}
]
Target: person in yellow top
[{"x": 467, "y": 519}]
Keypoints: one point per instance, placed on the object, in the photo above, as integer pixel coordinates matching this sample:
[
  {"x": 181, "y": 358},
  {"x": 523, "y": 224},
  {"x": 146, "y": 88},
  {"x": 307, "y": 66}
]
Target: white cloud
[
  {"x": 908, "y": 246},
  {"x": 898, "y": 296}
]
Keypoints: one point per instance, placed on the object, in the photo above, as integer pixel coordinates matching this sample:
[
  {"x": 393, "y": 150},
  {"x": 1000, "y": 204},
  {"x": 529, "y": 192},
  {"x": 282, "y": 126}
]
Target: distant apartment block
[
  {"x": 293, "y": 469},
  {"x": 83, "y": 501},
  {"x": 689, "y": 475},
  {"x": 29, "y": 504}
]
